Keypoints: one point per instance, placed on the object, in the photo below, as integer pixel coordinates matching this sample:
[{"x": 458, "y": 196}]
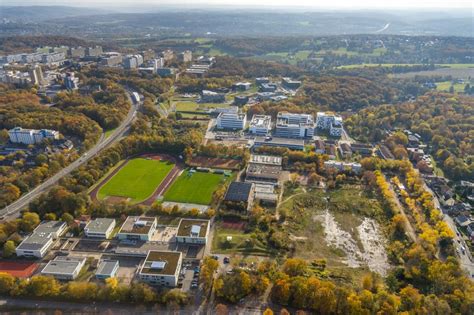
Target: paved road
[
  {"x": 13, "y": 210},
  {"x": 465, "y": 259}
]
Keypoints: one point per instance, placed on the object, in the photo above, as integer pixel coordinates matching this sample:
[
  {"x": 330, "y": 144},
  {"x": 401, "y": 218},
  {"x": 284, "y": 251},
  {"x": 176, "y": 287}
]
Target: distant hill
[
  {"x": 44, "y": 13},
  {"x": 88, "y": 22}
]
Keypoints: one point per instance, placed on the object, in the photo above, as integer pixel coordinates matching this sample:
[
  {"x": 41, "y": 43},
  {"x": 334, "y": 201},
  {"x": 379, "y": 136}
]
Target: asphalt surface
[
  {"x": 13, "y": 210},
  {"x": 465, "y": 258}
]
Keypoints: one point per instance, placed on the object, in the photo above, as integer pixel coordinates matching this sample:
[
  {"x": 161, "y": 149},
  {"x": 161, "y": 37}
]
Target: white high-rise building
[{"x": 31, "y": 136}]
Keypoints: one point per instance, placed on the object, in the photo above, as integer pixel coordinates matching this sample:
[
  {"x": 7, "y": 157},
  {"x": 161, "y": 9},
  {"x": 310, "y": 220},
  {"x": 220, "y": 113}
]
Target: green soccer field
[
  {"x": 194, "y": 188},
  {"x": 137, "y": 180}
]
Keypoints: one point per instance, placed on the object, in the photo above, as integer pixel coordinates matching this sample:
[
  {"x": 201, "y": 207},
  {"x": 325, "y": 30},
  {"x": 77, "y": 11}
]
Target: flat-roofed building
[
  {"x": 330, "y": 122},
  {"x": 241, "y": 86},
  {"x": 137, "y": 228},
  {"x": 31, "y": 136},
  {"x": 64, "y": 268},
  {"x": 343, "y": 166},
  {"x": 265, "y": 193},
  {"x": 262, "y": 80},
  {"x": 293, "y": 144},
  {"x": 55, "y": 228},
  {"x": 290, "y": 83},
  {"x": 241, "y": 100},
  {"x": 107, "y": 269},
  {"x": 290, "y": 125},
  {"x": 35, "y": 245},
  {"x": 268, "y": 87},
  {"x": 364, "y": 149},
  {"x": 260, "y": 125},
  {"x": 232, "y": 121},
  {"x": 263, "y": 173},
  {"x": 239, "y": 196},
  {"x": 193, "y": 231},
  {"x": 265, "y": 159},
  {"x": 161, "y": 268},
  {"x": 212, "y": 97},
  {"x": 100, "y": 228}
]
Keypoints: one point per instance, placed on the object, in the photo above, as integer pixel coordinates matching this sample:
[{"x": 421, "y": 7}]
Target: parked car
[{"x": 226, "y": 260}]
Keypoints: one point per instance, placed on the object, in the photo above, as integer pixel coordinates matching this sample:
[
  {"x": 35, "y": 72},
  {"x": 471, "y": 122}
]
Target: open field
[
  {"x": 342, "y": 231},
  {"x": 136, "y": 180},
  {"x": 446, "y": 85},
  {"x": 195, "y": 187},
  {"x": 193, "y": 106},
  {"x": 240, "y": 243},
  {"x": 456, "y": 73}
]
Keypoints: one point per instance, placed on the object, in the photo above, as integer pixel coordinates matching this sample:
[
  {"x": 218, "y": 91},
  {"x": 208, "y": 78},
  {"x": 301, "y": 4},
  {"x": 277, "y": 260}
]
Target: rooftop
[
  {"x": 161, "y": 262},
  {"x": 280, "y": 141},
  {"x": 99, "y": 225},
  {"x": 50, "y": 227},
  {"x": 238, "y": 191},
  {"x": 264, "y": 171},
  {"x": 137, "y": 225},
  {"x": 18, "y": 268},
  {"x": 265, "y": 159},
  {"x": 35, "y": 241},
  {"x": 63, "y": 265},
  {"x": 106, "y": 267},
  {"x": 262, "y": 121},
  {"x": 186, "y": 227}
]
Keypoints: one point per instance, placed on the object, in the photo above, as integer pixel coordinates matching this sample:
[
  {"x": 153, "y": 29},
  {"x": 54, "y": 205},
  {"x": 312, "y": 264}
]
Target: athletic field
[
  {"x": 195, "y": 187},
  {"x": 137, "y": 180}
]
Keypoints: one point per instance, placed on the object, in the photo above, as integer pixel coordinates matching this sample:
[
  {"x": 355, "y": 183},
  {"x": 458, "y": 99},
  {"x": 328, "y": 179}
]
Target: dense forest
[{"x": 444, "y": 121}]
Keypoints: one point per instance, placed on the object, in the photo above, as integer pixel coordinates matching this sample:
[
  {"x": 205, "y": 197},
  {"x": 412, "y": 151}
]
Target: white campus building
[
  {"x": 192, "y": 231},
  {"x": 161, "y": 268},
  {"x": 260, "y": 125},
  {"x": 100, "y": 228},
  {"x": 40, "y": 241},
  {"x": 331, "y": 122},
  {"x": 233, "y": 121},
  {"x": 290, "y": 125},
  {"x": 31, "y": 136}
]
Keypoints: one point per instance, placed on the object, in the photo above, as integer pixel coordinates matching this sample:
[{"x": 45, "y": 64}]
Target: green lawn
[
  {"x": 192, "y": 106},
  {"x": 186, "y": 106},
  {"x": 196, "y": 188},
  {"x": 107, "y": 133},
  {"x": 137, "y": 179},
  {"x": 446, "y": 85},
  {"x": 241, "y": 243}
]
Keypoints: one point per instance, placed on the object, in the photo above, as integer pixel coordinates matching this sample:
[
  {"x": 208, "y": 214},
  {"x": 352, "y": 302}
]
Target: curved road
[{"x": 14, "y": 208}]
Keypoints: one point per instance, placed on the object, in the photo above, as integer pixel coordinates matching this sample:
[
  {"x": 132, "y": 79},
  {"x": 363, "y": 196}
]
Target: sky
[{"x": 320, "y": 4}]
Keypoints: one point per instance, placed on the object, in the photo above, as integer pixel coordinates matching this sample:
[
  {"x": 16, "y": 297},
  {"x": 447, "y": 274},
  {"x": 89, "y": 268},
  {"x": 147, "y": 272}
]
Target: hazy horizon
[{"x": 332, "y": 5}]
